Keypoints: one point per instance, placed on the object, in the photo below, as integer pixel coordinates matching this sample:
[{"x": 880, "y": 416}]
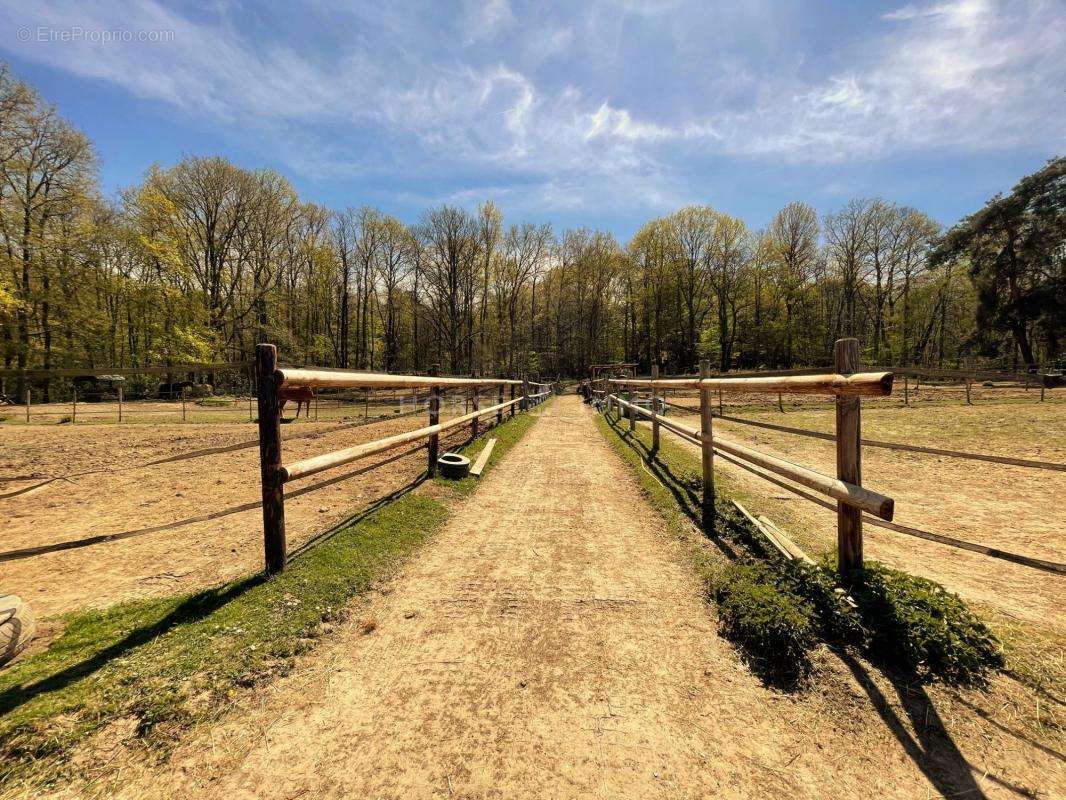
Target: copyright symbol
[{"x": 24, "y": 34}]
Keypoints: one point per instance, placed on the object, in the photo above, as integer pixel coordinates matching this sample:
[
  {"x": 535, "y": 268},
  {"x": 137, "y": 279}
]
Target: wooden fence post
[
  {"x": 266, "y": 365},
  {"x": 849, "y": 463},
  {"x": 654, "y": 408},
  {"x": 906, "y": 391},
  {"x": 184, "y": 391},
  {"x": 525, "y": 393},
  {"x": 28, "y": 403},
  {"x": 499, "y": 402},
  {"x": 251, "y": 395},
  {"x": 434, "y": 419},
  {"x": 120, "y": 404},
  {"x": 720, "y": 411},
  {"x": 475, "y": 401},
  {"x": 632, "y": 411},
  {"x": 968, "y": 401},
  {"x": 512, "y": 404},
  {"x": 707, "y": 449}
]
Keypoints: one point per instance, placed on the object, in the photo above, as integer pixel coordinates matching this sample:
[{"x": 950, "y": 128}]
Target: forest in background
[{"x": 201, "y": 260}]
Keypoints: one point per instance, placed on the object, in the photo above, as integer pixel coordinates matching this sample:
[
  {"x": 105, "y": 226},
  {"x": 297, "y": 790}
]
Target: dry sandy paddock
[{"x": 190, "y": 523}]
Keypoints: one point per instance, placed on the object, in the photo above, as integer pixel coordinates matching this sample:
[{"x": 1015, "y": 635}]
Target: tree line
[{"x": 203, "y": 259}]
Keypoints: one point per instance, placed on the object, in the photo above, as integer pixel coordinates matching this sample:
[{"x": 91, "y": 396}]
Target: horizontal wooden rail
[
  {"x": 848, "y": 493},
  {"x": 1004, "y": 555},
  {"x": 316, "y": 464},
  {"x": 964, "y": 375},
  {"x": 885, "y": 445},
  {"x": 322, "y": 378},
  {"x": 910, "y": 448},
  {"x": 860, "y": 384}
]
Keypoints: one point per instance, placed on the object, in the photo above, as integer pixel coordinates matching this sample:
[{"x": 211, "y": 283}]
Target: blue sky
[{"x": 586, "y": 113}]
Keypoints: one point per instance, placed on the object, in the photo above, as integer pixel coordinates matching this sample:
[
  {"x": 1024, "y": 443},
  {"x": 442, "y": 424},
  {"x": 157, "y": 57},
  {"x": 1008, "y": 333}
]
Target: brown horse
[{"x": 303, "y": 395}]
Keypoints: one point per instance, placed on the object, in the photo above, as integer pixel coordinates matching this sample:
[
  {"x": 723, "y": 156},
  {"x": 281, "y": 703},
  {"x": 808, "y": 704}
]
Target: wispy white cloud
[
  {"x": 512, "y": 92},
  {"x": 485, "y": 19}
]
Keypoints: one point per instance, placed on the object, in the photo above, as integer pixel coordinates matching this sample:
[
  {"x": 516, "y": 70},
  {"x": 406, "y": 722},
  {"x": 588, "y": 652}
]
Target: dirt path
[{"x": 551, "y": 642}]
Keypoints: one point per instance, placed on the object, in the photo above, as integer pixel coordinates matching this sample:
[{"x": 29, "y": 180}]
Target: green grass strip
[{"x": 169, "y": 663}]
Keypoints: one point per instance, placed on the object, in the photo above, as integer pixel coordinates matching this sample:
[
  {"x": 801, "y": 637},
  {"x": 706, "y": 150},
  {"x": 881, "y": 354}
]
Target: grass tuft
[{"x": 775, "y": 627}]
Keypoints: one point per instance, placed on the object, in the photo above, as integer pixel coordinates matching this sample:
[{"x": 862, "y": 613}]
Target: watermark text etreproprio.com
[{"x": 76, "y": 33}]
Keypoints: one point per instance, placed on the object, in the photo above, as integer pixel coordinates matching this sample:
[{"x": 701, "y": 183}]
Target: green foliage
[
  {"x": 917, "y": 624},
  {"x": 775, "y": 627},
  {"x": 839, "y": 623},
  {"x": 1014, "y": 250}
]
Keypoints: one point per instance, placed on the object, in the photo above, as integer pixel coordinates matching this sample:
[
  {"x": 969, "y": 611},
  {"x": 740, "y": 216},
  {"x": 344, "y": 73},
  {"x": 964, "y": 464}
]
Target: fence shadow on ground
[
  {"x": 684, "y": 489},
  {"x": 74, "y": 544},
  {"x": 931, "y": 747},
  {"x": 192, "y": 609}
]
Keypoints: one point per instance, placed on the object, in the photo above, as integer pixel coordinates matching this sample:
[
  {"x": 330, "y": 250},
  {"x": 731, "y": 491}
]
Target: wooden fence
[
  {"x": 274, "y": 474},
  {"x": 846, "y": 385}
]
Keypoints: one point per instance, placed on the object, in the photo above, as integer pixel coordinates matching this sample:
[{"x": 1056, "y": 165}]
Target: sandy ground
[
  {"x": 1009, "y": 507},
  {"x": 327, "y": 405},
  {"x": 191, "y": 523},
  {"x": 552, "y": 642},
  {"x": 927, "y": 395}
]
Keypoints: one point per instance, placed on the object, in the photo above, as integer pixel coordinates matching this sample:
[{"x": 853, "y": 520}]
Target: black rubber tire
[{"x": 453, "y": 466}]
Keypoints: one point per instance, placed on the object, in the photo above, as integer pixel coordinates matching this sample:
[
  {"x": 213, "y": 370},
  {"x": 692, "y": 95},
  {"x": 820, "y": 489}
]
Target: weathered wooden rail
[
  {"x": 902, "y": 446},
  {"x": 274, "y": 474},
  {"x": 847, "y": 385}
]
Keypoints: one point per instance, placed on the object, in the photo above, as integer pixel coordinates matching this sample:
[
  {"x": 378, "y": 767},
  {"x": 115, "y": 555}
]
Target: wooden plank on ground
[
  {"x": 483, "y": 458},
  {"x": 785, "y": 540},
  {"x": 764, "y": 531}
]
